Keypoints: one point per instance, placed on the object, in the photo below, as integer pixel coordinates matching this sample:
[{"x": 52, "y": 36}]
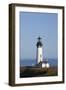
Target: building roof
[
  {"x": 45, "y": 62},
  {"x": 39, "y": 43}
]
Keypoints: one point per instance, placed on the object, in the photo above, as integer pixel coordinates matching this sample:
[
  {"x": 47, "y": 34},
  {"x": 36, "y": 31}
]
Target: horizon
[
  {"x": 36, "y": 59},
  {"x": 52, "y": 62}
]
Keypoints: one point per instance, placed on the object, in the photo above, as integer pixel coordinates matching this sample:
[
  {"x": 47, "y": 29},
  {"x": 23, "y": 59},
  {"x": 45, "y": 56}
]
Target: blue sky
[{"x": 33, "y": 25}]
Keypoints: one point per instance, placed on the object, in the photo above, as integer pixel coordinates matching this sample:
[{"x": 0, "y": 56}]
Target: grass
[{"x": 37, "y": 71}]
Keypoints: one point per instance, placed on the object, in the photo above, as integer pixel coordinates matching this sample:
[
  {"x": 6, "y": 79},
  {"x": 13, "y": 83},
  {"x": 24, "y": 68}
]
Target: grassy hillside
[{"x": 37, "y": 71}]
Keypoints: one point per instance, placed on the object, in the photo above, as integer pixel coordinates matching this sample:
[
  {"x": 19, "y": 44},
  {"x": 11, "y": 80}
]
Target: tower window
[{"x": 40, "y": 55}]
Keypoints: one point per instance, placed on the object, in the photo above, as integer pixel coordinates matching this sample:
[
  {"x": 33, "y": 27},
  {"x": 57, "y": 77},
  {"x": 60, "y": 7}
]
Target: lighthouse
[
  {"x": 39, "y": 51},
  {"x": 40, "y": 62}
]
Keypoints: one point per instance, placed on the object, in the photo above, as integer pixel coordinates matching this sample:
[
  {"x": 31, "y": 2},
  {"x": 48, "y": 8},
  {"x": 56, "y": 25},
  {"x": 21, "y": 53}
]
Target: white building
[
  {"x": 40, "y": 62},
  {"x": 39, "y": 51}
]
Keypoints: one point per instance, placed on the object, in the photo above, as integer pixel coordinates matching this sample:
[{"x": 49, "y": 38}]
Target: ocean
[{"x": 30, "y": 62}]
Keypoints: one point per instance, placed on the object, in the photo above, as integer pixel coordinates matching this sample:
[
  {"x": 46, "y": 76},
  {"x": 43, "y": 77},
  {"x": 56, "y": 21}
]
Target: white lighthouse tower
[
  {"x": 39, "y": 51},
  {"x": 40, "y": 62}
]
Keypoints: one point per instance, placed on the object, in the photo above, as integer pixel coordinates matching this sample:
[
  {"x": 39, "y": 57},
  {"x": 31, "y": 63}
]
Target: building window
[{"x": 40, "y": 55}]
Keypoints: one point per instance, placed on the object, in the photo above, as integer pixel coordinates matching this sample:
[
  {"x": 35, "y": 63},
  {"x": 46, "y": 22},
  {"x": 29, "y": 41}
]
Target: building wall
[{"x": 39, "y": 54}]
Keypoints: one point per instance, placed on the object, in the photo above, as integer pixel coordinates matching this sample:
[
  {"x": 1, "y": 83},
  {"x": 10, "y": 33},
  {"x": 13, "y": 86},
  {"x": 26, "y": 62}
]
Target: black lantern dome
[{"x": 39, "y": 43}]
